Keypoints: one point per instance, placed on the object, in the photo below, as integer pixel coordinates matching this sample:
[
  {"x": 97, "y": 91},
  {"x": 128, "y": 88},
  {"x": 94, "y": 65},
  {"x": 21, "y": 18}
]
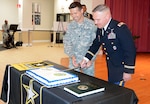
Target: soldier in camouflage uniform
[{"x": 79, "y": 37}]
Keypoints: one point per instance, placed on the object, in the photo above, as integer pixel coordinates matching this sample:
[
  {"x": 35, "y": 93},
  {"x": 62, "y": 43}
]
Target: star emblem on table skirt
[{"x": 31, "y": 93}]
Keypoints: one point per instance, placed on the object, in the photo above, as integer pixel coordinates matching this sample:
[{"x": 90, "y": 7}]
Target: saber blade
[{"x": 71, "y": 69}]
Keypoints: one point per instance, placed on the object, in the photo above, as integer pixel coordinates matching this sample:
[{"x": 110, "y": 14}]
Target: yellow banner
[{"x": 31, "y": 65}]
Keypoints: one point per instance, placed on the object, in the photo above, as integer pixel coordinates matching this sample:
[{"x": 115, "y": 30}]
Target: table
[
  {"x": 51, "y": 31},
  {"x": 14, "y": 93}
]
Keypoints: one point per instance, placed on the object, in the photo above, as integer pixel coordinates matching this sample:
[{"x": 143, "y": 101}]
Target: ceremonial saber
[{"x": 72, "y": 69}]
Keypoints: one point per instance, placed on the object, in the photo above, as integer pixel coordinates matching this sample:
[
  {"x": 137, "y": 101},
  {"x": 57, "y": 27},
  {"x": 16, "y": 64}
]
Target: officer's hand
[
  {"x": 126, "y": 76},
  {"x": 83, "y": 63},
  {"x": 88, "y": 64}
]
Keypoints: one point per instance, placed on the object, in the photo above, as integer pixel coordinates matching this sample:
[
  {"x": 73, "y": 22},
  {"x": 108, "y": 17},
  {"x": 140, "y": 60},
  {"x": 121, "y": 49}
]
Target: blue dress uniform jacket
[{"x": 119, "y": 48}]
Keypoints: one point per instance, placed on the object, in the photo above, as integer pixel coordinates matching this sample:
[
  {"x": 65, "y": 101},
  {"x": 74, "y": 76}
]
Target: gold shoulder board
[{"x": 120, "y": 24}]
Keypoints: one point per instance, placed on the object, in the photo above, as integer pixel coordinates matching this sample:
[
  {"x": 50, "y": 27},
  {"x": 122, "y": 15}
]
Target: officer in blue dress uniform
[{"x": 118, "y": 45}]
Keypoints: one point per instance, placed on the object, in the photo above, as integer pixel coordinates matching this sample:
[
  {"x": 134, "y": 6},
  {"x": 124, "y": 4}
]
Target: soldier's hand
[{"x": 74, "y": 62}]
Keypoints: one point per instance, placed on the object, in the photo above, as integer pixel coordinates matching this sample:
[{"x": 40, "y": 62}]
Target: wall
[
  {"x": 47, "y": 12},
  {"x": 49, "y": 9},
  {"x": 8, "y": 11},
  {"x": 93, "y": 2},
  {"x": 61, "y": 6},
  {"x": 88, "y": 4}
]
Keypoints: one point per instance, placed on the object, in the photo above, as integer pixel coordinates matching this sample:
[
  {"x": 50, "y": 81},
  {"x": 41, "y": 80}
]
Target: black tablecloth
[{"x": 14, "y": 91}]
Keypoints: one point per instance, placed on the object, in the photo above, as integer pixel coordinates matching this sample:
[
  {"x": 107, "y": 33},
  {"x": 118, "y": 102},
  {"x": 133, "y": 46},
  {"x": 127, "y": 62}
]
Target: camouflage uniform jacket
[{"x": 78, "y": 39}]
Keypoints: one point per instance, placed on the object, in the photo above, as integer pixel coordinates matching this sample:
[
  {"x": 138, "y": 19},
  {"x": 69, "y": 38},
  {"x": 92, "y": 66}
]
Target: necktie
[{"x": 103, "y": 31}]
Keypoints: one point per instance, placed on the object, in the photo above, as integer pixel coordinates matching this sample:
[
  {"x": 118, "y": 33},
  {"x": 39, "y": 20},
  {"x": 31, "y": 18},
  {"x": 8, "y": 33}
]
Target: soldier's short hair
[
  {"x": 75, "y": 4},
  {"x": 101, "y": 8}
]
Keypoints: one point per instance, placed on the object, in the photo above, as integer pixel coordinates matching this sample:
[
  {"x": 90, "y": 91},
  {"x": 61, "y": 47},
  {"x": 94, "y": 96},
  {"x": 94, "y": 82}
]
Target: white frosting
[{"x": 52, "y": 77}]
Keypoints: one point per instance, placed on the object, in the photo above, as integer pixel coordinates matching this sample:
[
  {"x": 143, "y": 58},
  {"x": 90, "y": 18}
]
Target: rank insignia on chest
[{"x": 112, "y": 35}]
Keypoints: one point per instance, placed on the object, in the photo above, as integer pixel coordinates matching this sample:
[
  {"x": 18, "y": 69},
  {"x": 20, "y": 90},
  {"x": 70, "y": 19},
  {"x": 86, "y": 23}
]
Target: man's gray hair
[{"x": 101, "y": 8}]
